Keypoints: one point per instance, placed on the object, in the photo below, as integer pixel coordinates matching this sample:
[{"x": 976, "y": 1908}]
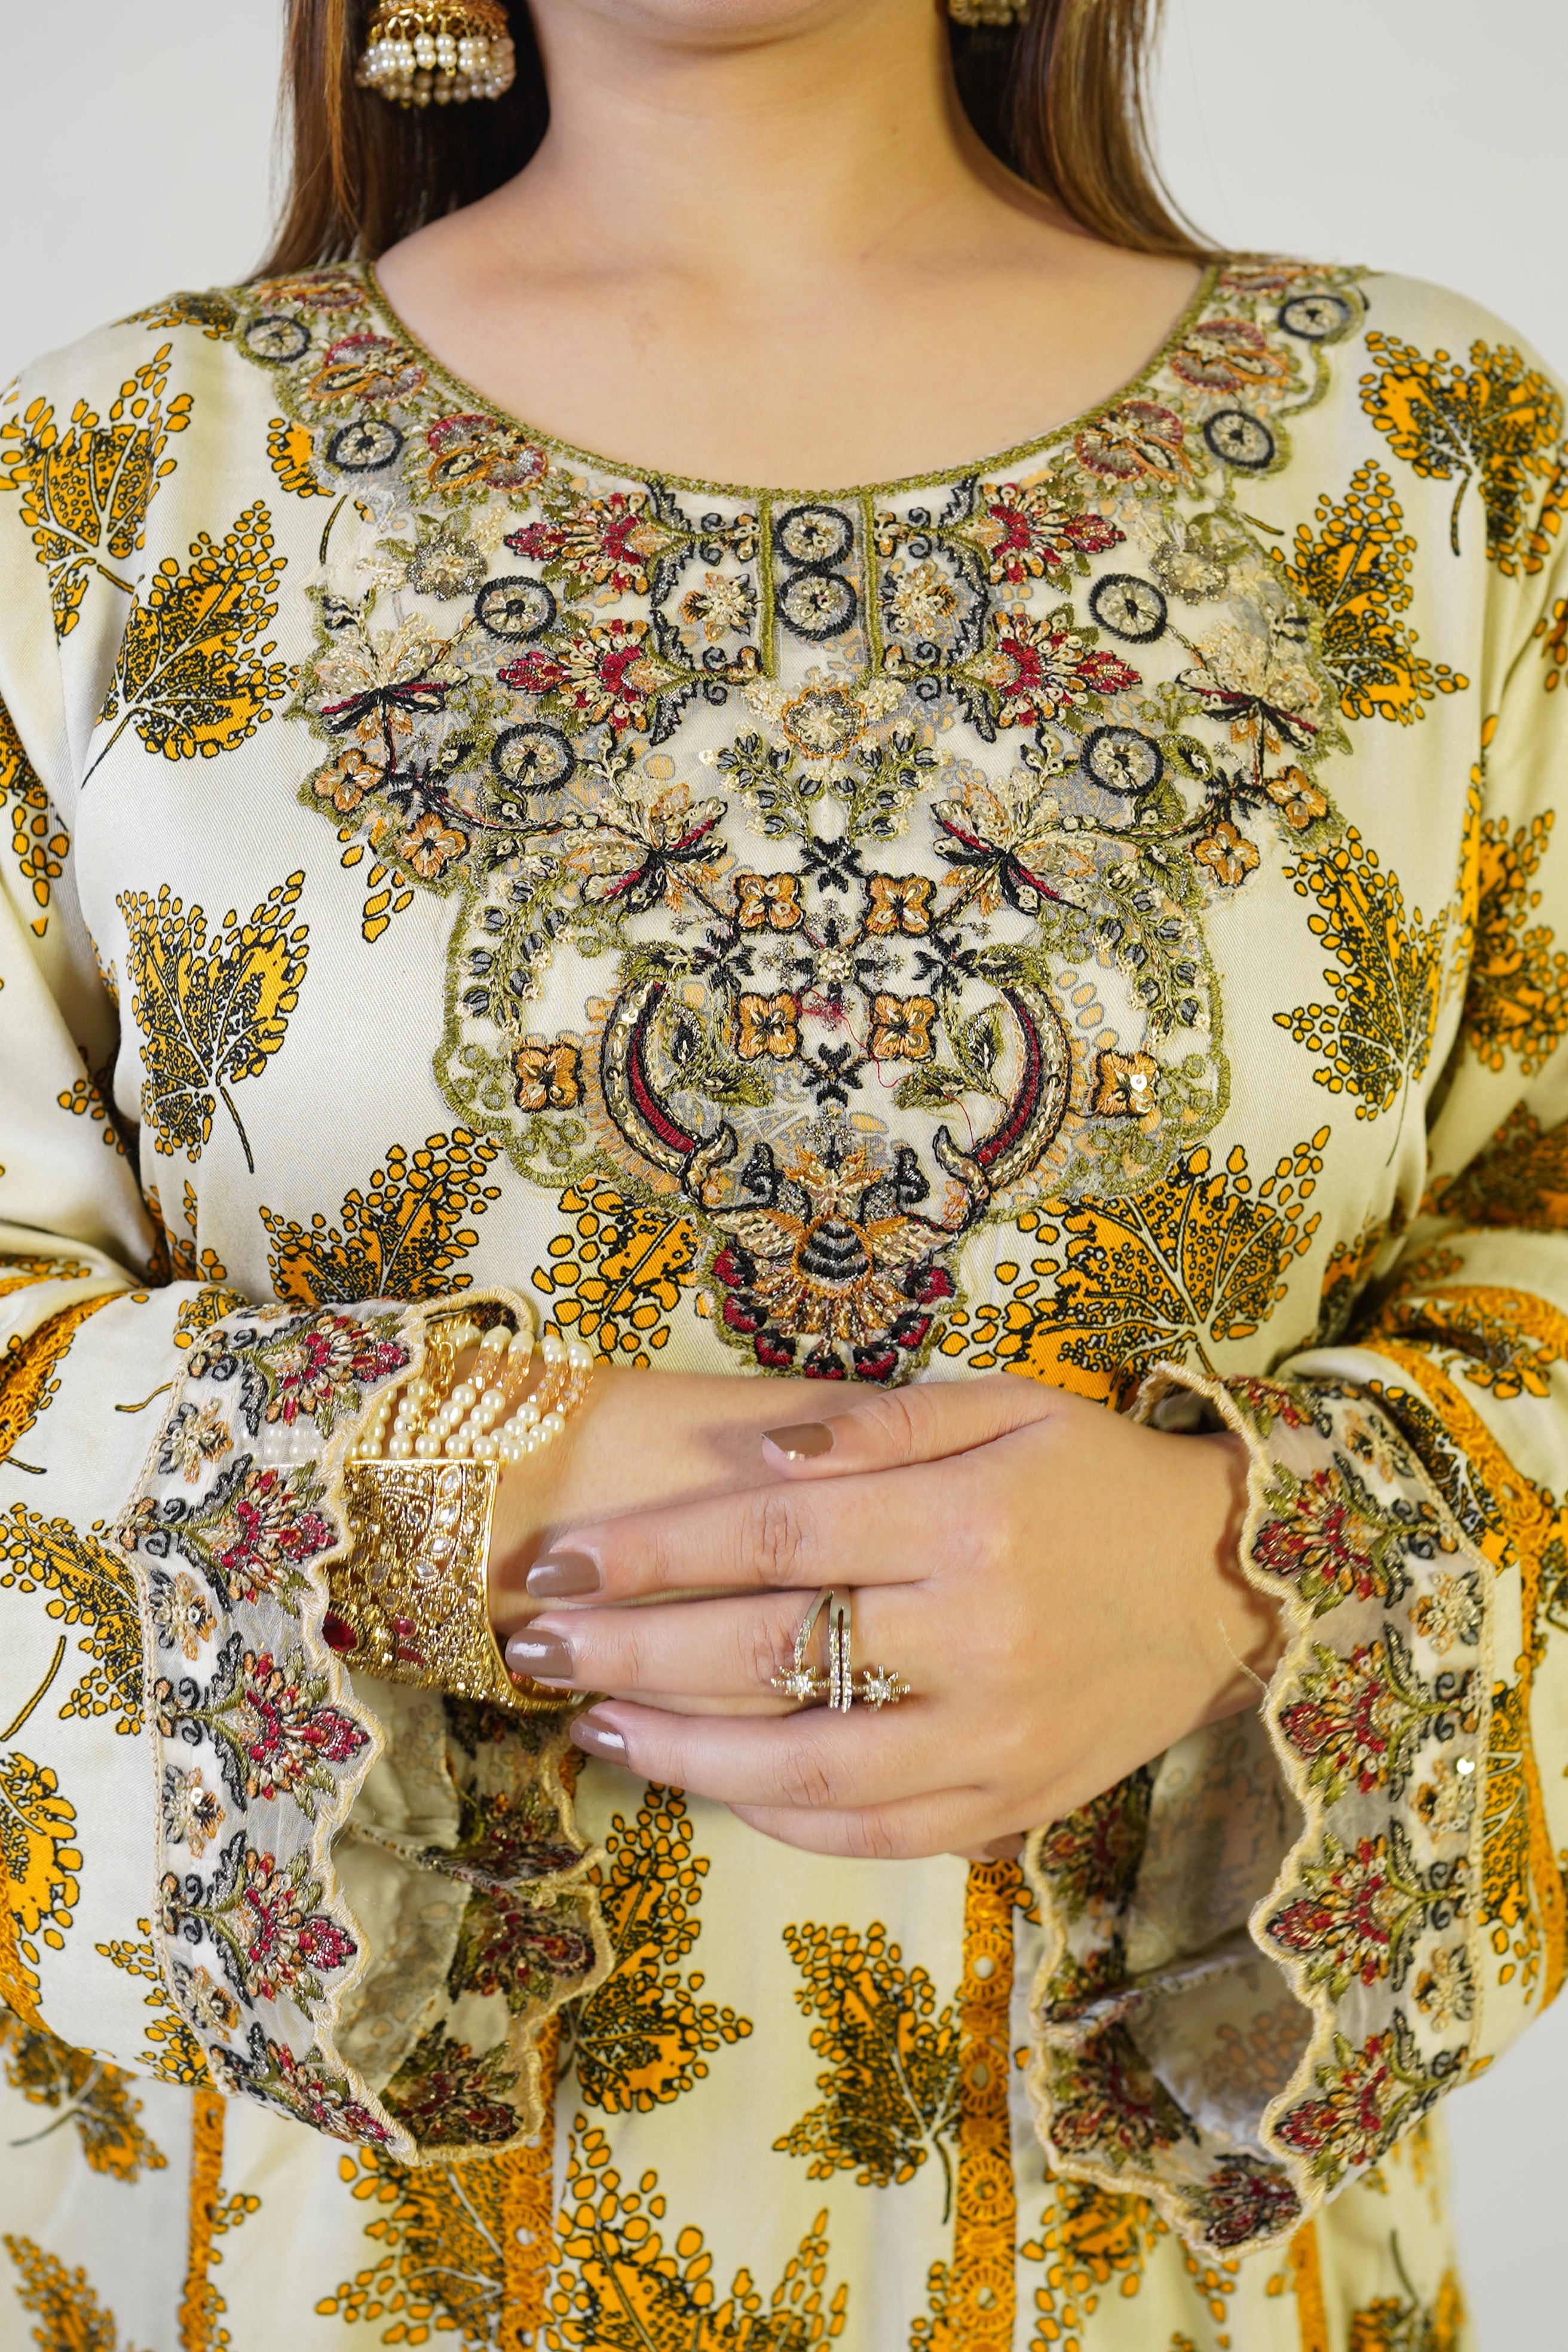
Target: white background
[{"x": 1420, "y": 135}]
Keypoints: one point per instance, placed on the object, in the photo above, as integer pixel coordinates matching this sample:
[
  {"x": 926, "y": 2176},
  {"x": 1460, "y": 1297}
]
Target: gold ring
[{"x": 875, "y": 1686}]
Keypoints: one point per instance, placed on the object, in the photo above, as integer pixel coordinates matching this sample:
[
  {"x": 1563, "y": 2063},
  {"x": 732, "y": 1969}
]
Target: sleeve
[
  {"x": 225, "y": 1859},
  {"x": 1269, "y": 1955}
]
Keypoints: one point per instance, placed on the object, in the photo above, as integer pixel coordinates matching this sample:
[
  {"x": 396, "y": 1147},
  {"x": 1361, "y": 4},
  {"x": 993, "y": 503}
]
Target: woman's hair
[{"x": 1060, "y": 99}]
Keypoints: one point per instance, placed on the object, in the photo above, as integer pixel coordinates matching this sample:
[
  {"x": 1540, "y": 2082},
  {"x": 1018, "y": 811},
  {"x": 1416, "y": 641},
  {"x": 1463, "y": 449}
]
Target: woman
[{"x": 1091, "y": 911}]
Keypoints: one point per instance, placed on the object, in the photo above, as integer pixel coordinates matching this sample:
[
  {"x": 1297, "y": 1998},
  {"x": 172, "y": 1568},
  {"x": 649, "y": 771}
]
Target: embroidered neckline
[{"x": 988, "y": 467}]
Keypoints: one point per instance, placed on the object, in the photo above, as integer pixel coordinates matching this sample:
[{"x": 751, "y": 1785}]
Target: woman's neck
[{"x": 766, "y": 245}]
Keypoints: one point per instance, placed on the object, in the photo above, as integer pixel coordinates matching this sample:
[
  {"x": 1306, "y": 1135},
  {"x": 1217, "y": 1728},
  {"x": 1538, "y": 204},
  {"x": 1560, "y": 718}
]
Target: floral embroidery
[
  {"x": 265, "y": 1922},
  {"x": 276, "y": 1735},
  {"x": 963, "y": 661},
  {"x": 302, "y": 2088},
  {"x": 1363, "y": 1909},
  {"x": 1365, "y": 2099},
  {"x": 451, "y": 2098}
]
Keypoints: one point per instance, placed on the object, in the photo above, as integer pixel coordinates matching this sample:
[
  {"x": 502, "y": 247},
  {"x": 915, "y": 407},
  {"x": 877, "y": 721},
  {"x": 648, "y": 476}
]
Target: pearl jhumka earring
[
  {"x": 988, "y": 12},
  {"x": 438, "y": 52}
]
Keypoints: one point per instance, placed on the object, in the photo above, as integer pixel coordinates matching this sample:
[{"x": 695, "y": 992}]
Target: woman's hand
[{"x": 1058, "y": 1586}]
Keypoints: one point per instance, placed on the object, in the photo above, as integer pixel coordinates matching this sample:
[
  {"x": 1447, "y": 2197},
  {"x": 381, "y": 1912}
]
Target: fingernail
[
  {"x": 564, "y": 1571},
  {"x": 805, "y": 1442},
  {"x": 598, "y": 1738},
  {"x": 544, "y": 1656}
]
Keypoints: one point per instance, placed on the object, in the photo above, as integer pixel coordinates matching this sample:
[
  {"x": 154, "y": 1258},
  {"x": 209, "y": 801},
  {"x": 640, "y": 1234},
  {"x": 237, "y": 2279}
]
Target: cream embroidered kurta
[{"x": 1089, "y": 911}]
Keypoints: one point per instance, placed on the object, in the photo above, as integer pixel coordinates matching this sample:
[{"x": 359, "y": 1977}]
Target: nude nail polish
[
  {"x": 803, "y": 1443},
  {"x": 544, "y": 1657},
  {"x": 563, "y": 1572},
  {"x": 599, "y": 1739}
]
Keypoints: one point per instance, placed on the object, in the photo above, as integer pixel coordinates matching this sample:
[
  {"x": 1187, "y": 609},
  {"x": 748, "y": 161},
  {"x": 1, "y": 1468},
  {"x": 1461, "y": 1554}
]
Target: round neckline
[{"x": 999, "y": 461}]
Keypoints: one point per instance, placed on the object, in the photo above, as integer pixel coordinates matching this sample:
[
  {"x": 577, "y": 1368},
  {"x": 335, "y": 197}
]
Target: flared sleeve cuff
[
  {"x": 368, "y": 1899},
  {"x": 1260, "y": 1964}
]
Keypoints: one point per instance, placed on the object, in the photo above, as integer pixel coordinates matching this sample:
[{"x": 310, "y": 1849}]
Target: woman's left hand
[{"x": 1057, "y": 1585}]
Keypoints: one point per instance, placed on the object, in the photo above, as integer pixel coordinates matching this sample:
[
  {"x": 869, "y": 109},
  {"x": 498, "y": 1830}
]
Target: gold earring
[
  {"x": 988, "y": 12},
  {"x": 420, "y": 52}
]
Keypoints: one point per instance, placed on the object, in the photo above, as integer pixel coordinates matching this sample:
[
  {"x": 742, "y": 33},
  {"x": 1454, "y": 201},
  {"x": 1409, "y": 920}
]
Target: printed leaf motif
[
  {"x": 401, "y": 1238},
  {"x": 30, "y": 1368},
  {"x": 1516, "y": 999},
  {"x": 440, "y": 2233},
  {"x": 213, "y": 313},
  {"x": 73, "y": 2319},
  {"x": 1521, "y": 1178},
  {"x": 617, "y": 1278},
  {"x": 38, "y": 840},
  {"x": 84, "y": 2091},
  {"x": 1504, "y": 1341},
  {"x": 292, "y": 451},
  {"x": 1376, "y": 1037},
  {"x": 1496, "y": 424},
  {"x": 642, "y": 2037},
  {"x": 1356, "y": 568},
  {"x": 1553, "y": 630},
  {"x": 1204, "y": 1256},
  {"x": 891, "y": 2089},
  {"x": 91, "y": 1591},
  {"x": 41, "y": 1858},
  {"x": 1404, "y": 2323},
  {"x": 190, "y": 676},
  {"x": 1090, "y": 2239},
  {"x": 86, "y": 491},
  {"x": 173, "y": 2054},
  {"x": 618, "y": 2289},
  {"x": 210, "y": 1013},
  {"x": 179, "y": 1259}
]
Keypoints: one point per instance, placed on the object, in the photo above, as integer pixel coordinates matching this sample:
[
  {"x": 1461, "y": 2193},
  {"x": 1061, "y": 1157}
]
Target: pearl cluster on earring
[
  {"x": 484, "y": 1417},
  {"x": 440, "y": 52}
]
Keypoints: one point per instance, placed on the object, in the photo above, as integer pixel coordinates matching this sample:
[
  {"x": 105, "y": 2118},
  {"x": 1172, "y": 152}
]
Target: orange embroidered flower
[
  {"x": 429, "y": 847},
  {"x": 366, "y": 372},
  {"x": 1228, "y": 355},
  {"x": 899, "y": 902},
  {"x": 901, "y": 1028},
  {"x": 1125, "y": 1086},
  {"x": 1228, "y": 855},
  {"x": 768, "y": 902},
  {"x": 769, "y": 1024},
  {"x": 347, "y": 781},
  {"x": 1297, "y": 798},
  {"x": 1138, "y": 437},
  {"x": 548, "y": 1075}
]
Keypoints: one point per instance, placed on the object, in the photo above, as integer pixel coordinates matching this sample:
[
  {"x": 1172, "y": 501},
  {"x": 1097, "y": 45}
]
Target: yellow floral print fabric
[{"x": 1097, "y": 913}]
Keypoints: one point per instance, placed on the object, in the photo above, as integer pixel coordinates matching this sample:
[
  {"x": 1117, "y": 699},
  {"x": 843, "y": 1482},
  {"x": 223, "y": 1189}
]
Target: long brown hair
[{"x": 1059, "y": 97}]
